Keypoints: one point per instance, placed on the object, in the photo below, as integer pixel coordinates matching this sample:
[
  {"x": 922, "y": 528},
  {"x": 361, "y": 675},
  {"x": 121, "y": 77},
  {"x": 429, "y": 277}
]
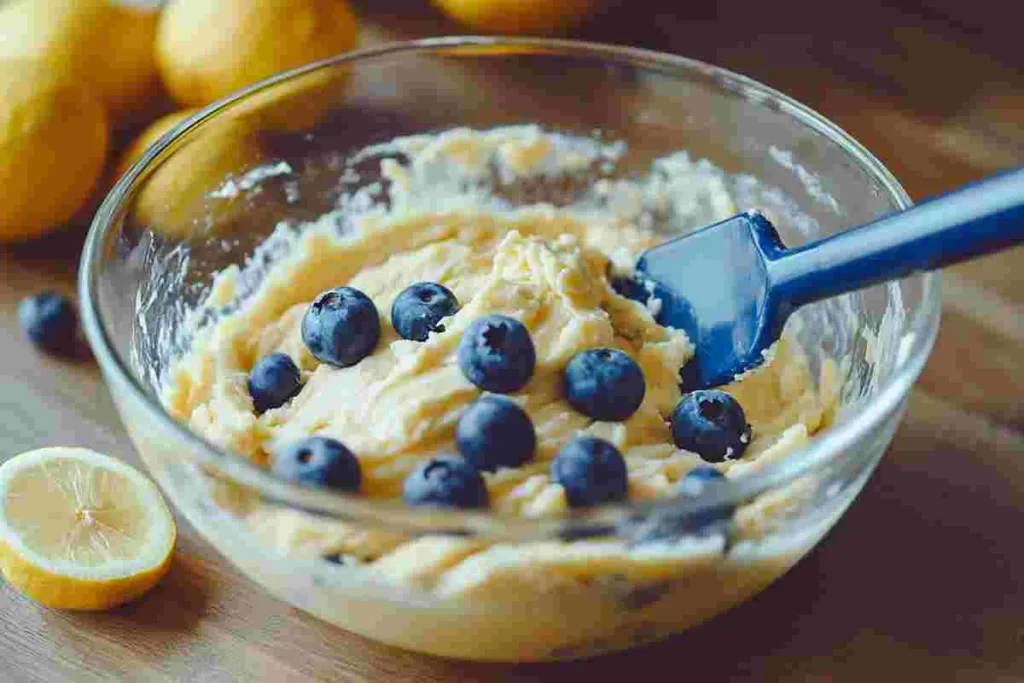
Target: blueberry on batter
[
  {"x": 446, "y": 481},
  {"x": 419, "y": 309},
  {"x": 693, "y": 485},
  {"x": 274, "y": 380},
  {"x": 496, "y": 354},
  {"x": 591, "y": 470},
  {"x": 49, "y": 321},
  {"x": 495, "y": 432},
  {"x": 605, "y": 384},
  {"x": 341, "y": 327},
  {"x": 319, "y": 461},
  {"x": 711, "y": 424}
]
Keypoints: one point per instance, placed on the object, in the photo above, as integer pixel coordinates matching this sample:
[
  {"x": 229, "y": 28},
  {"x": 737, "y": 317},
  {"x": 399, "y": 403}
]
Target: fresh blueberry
[
  {"x": 341, "y": 327},
  {"x": 320, "y": 461},
  {"x": 630, "y": 288},
  {"x": 446, "y": 481},
  {"x": 50, "y": 322},
  {"x": 692, "y": 485},
  {"x": 604, "y": 384},
  {"x": 711, "y": 424},
  {"x": 693, "y": 482},
  {"x": 274, "y": 380},
  {"x": 495, "y": 432},
  {"x": 420, "y": 307},
  {"x": 591, "y": 470},
  {"x": 673, "y": 523},
  {"x": 497, "y": 354},
  {"x": 335, "y": 558}
]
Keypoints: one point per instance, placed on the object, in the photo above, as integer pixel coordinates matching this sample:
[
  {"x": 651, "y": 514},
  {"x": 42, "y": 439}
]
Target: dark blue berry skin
[
  {"x": 604, "y": 384},
  {"x": 420, "y": 307},
  {"x": 274, "y": 380},
  {"x": 711, "y": 424},
  {"x": 630, "y": 288},
  {"x": 673, "y": 523},
  {"x": 341, "y": 327},
  {"x": 320, "y": 461},
  {"x": 495, "y": 432},
  {"x": 446, "y": 481},
  {"x": 592, "y": 471},
  {"x": 49, "y": 321},
  {"x": 496, "y": 354},
  {"x": 694, "y": 481},
  {"x": 693, "y": 484}
]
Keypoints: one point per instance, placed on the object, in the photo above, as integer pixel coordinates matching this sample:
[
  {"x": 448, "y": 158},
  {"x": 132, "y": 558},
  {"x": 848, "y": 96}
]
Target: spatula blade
[{"x": 714, "y": 284}]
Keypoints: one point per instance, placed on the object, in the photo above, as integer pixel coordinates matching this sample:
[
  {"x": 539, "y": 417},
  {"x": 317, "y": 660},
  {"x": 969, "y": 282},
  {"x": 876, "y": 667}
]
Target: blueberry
[
  {"x": 591, "y": 470},
  {"x": 694, "y": 481},
  {"x": 274, "y": 380},
  {"x": 693, "y": 484},
  {"x": 319, "y": 461},
  {"x": 673, "y": 523},
  {"x": 341, "y": 327},
  {"x": 420, "y": 307},
  {"x": 494, "y": 432},
  {"x": 630, "y": 288},
  {"x": 50, "y": 321},
  {"x": 604, "y": 384},
  {"x": 335, "y": 558},
  {"x": 446, "y": 481},
  {"x": 711, "y": 424},
  {"x": 497, "y": 354}
]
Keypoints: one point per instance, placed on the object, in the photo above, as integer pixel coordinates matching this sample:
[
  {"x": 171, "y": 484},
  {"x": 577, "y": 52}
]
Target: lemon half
[{"x": 81, "y": 530}]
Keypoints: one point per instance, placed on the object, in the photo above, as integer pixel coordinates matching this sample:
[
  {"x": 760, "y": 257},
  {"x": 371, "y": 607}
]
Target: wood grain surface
[{"x": 924, "y": 577}]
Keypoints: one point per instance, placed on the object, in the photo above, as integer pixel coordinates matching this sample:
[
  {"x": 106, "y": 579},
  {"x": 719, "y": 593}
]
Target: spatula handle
[{"x": 978, "y": 219}]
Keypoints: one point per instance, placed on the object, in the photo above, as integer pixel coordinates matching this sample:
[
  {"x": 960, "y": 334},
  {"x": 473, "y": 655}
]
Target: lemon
[
  {"x": 53, "y": 144},
  {"x": 206, "y": 49},
  {"x": 176, "y": 198},
  {"x": 107, "y": 43},
  {"x": 81, "y": 530},
  {"x": 147, "y": 137},
  {"x": 517, "y": 16}
]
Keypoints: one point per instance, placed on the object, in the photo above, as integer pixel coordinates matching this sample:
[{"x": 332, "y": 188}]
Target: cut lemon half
[{"x": 81, "y": 530}]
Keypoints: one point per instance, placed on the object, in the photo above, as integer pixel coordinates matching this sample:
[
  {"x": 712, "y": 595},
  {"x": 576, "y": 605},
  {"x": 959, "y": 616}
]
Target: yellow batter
[{"x": 548, "y": 267}]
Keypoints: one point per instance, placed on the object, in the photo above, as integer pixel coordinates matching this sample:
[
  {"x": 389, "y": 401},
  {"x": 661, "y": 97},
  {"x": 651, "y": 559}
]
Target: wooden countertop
[{"x": 921, "y": 579}]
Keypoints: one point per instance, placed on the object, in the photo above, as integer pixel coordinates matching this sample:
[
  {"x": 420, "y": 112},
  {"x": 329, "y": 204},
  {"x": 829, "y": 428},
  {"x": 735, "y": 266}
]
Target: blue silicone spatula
[{"x": 732, "y": 286}]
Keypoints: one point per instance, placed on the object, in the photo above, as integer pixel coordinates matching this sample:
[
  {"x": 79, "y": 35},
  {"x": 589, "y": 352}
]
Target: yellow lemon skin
[
  {"x": 63, "y": 592},
  {"x": 207, "y": 49},
  {"x": 54, "y": 138},
  {"x": 81, "y": 530},
  {"x": 133, "y": 152},
  {"x": 517, "y": 16},
  {"x": 107, "y": 43},
  {"x": 174, "y": 199}
]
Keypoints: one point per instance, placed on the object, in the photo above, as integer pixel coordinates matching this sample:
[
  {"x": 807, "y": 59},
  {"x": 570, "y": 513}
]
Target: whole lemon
[
  {"x": 108, "y": 43},
  {"x": 147, "y": 137},
  {"x": 179, "y": 197},
  {"x": 517, "y": 16},
  {"x": 53, "y": 144},
  {"x": 206, "y": 49}
]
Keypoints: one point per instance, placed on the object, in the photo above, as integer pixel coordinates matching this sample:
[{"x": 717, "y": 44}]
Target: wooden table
[{"x": 924, "y": 578}]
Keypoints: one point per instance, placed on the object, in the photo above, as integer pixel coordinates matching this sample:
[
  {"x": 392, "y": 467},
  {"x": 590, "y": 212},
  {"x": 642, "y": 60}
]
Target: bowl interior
[{"x": 286, "y": 151}]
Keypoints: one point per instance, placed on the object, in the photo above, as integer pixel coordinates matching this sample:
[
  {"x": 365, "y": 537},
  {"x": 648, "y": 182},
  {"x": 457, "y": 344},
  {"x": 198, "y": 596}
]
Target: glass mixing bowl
[{"x": 215, "y": 187}]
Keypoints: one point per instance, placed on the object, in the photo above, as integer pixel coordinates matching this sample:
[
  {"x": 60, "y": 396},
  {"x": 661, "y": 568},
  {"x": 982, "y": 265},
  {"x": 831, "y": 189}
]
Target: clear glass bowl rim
[{"x": 827, "y": 448}]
